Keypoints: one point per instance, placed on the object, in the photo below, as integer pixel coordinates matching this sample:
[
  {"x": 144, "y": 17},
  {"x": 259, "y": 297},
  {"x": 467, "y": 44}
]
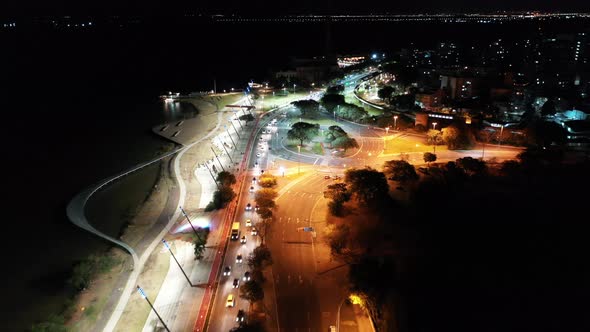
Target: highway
[{"x": 307, "y": 287}]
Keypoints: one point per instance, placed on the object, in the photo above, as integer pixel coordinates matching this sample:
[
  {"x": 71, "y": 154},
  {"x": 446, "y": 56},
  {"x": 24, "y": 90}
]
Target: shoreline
[{"x": 163, "y": 176}]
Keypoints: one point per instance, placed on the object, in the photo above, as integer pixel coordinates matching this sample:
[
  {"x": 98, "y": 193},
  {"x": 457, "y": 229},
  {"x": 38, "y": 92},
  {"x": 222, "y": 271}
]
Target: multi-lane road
[{"x": 305, "y": 296}]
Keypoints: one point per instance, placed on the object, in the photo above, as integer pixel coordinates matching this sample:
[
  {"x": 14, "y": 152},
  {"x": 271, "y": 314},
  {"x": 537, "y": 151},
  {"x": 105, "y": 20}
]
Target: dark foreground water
[{"x": 79, "y": 107}]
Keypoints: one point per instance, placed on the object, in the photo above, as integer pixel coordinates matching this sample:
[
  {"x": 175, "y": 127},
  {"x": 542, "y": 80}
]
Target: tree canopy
[
  {"x": 330, "y": 101},
  {"x": 367, "y": 185},
  {"x": 429, "y": 157},
  {"x": 226, "y": 178},
  {"x": 335, "y": 89},
  {"x": 308, "y": 107},
  {"x": 351, "y": 112},
  {"x": 303, "y": 132},
  {"x": 260, "y": 258},
  {"x": 345, "y": 142},
  {"x": 385, "y": 92},
  {"x": 458, "y": 137},
  {"x": 400, "y": 170},
  {"x": 251, "y": 291}
]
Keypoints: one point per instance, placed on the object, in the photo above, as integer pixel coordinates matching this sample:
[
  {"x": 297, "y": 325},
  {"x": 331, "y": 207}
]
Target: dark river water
[{"x": 79, "y": 107}]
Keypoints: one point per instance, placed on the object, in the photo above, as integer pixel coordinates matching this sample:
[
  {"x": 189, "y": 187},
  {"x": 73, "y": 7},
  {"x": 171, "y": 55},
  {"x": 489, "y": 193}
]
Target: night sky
[{"x": 93, "y": 7}]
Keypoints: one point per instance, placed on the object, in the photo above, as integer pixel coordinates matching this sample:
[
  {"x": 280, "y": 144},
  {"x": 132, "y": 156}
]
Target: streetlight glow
[
  {"x": 141, "y": 292},
  {"x": 434, "y": 125}
]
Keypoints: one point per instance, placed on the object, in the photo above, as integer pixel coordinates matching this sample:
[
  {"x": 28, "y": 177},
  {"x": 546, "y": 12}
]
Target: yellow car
[{"x": 230, "y": 301}]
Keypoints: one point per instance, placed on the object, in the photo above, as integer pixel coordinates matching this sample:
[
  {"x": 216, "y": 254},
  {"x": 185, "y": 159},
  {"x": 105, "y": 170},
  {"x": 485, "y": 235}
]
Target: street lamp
[
  {"x": 177, "y": 263},
  {"x": 298, "y": 158},
  {"x": 282, "y": 170},
  {"x": 395, "y": 122},
  {"x": 387, "y": 130},
  {"x": 142, "y": 293},
  {"x": 501, "y": 131},
  {"x": 294, "y": 85},
  {"x": 434, "y": 125}
]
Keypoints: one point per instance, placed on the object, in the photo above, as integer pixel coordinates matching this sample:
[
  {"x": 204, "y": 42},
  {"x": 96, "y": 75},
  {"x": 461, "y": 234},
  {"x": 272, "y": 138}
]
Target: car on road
[
  {"x": 252, "y": 189},
  {"x": 243, "y": 239},
  {"x": 246, "y": 276},
  {"x": 248, "y": 222},
  {"x": 239, "y": 258},
  {"x": 261, "y": 138},
  {"x": 256, "y": 208},
  {"x": 336, "y": 177},
  {"x": 236, "y": 283},
  {"x": 332, "y": 328},
  {"x": 254, "y": 231},
  {"x": 254, "y": 179},
  {"x": 258, "y": 155},
  {"x": 248, "y": 207},
  {"x": 240, "y": 316},
  {"x": 327, "y": 177},
  {"x": 230, "y": 302},
  {"x": 227, "y": 271}
]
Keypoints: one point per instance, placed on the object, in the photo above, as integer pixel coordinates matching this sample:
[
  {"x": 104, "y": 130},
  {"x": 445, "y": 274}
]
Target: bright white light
[
  {"x": 374, "y": 56},
  {"x": 141, "y": 292}
]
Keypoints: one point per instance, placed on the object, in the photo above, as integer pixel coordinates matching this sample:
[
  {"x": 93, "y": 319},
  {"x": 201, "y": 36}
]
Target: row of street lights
[{"x": 142, "y": 292}]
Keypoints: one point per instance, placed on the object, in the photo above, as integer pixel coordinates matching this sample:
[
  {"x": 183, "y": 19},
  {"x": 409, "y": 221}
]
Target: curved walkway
[{"x": 75, "y": 212}]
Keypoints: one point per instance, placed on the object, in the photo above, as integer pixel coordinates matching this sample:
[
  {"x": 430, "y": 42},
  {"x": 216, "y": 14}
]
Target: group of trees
[
  {"x": 265, "y": 199},
  {"x": 338, "y": 138},
  {"x": 303, "y": 132},
  {"x": 336, "y": 103},
  {"x": 386, "y": 92},
  {"x": 199, "y": 241},
  {"x": 252, "y": 289},
  {"x": 308, "y": 108},
  {"x": 448, "y": 241},
  {"x": 224, "y": 194},
  {"x": 457, "y": 137}
]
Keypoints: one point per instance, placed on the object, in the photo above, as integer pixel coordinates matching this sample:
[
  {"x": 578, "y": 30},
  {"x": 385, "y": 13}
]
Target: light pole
[
  {"x": 501, "y": 131},
  {"x": 298, "y": 158},
  {"x": 215, "y": 154},
  {"x": 232, "y": 124},
  {"x": 214, "y": 180},
  {"x": 395, "y": 122},
  {"x": 338, "y": 315},
  {"x": 190, "y": 222},
  {"x": 231, "y": 139},
  {"x": 223, "y": 145},
  {"x": 435, "y": 138},
  {"x": 142, "y": 293},
  {"x": 180, "y": 267},
  {"x": 386, "y": 130},
  {"x": 294, "y": 85}
]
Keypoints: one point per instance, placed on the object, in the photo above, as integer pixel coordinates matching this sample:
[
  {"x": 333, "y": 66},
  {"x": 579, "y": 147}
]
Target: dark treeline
[{"x": 494, "y": 248}]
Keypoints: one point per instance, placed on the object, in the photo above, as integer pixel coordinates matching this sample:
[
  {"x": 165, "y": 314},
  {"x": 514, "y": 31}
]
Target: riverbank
[{"x": 151, "y": 217}]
